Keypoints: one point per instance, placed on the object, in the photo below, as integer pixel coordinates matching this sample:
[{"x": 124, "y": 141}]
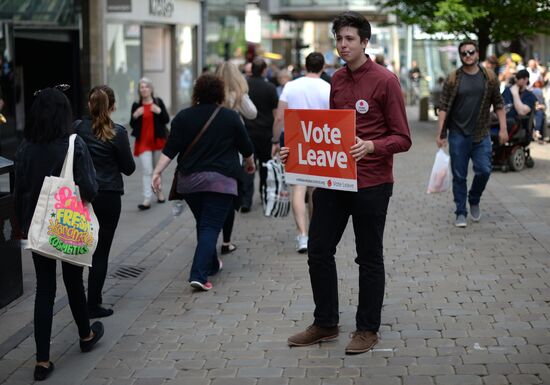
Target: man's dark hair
[
  {"x": 208, "y": 89},
  {"x": 50, "y": 117},
  {"x": 315, "y": 62},
  {"x": 352, "y": 19},
  {"x": 467, "y": 42},
  {"x": 258, "y": 66},
  {"x": 522, "y": 74}
]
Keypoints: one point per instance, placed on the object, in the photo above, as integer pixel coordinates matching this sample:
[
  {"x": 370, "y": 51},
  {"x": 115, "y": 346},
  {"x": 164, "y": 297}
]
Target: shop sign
[
  {"x": 119, "y": 5},
  {"x": 319, "y": 142},
  {"x": 161, "y": 7}
]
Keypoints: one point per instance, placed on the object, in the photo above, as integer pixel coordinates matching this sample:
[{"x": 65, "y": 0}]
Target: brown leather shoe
[
  {"x": 361, "y": 342},
  {"x": 312, "y": 335}
]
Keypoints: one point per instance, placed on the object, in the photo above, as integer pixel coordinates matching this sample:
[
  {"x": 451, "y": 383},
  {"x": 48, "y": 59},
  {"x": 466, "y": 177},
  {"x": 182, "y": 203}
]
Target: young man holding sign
[{"x": 382, "y": 130}]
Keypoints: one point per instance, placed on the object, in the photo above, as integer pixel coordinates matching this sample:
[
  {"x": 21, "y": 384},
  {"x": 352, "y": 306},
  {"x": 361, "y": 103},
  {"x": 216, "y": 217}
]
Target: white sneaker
[
  {"x": 177, "y": 208},
  {"x": 301, "y": 243}
]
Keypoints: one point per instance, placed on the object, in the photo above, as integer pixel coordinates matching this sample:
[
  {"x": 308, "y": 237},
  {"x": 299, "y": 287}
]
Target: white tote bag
[
  {"x": 63, "y": 227},
  {"x": 440, "y": 178}
]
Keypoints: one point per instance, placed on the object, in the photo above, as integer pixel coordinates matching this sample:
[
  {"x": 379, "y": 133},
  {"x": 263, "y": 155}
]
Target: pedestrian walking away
[
  {"x": 148, "y": 121},
  {"x": 208, "y": 139},
  {"x": 264, "y": 96},
  {"x": 41, "y": 154},
  {"x": 110, "y": 150},
  {"x": 307, "y": 92},
  {"x": 382, "y": 130},
  {"x": 464, "y": 121},
  {"x": 237, "y": 99}
]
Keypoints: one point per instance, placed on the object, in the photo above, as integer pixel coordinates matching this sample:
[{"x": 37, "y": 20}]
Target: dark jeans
[
  {"x": 107, "y": 209},
  {"x": 262, "y": 153},
  {"x": 210, "y": 210},
  {"x": 44, "y": 300},
  {"x": 331, "y": 211},
  {"x": 228, "y": 226},
  {"x": 461, "y": 150}
]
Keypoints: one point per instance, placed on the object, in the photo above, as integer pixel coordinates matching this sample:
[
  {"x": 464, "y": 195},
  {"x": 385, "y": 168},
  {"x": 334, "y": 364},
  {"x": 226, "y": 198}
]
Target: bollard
[{"x": 424, "y": 105}]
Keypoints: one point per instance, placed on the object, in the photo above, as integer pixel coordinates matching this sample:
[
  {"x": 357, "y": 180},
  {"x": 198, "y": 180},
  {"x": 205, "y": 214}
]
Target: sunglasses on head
[
  {"x": 468, "y": 52},
  {"x": 60, "y": 87}
]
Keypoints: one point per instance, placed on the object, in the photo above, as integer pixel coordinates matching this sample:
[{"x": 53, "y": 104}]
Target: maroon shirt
[{"x": 385, "y": 122}]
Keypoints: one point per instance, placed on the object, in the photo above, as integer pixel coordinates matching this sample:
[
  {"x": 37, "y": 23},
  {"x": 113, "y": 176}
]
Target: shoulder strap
[
  {"x": 67, "y": 170},
  {"x": 201, "y": 132}
]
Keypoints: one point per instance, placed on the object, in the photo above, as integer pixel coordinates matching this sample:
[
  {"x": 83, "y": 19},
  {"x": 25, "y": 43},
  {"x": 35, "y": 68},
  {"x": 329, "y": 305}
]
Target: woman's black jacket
[
  {"x": 110, "y": 157},
  {"x": 160, "y": 121}
]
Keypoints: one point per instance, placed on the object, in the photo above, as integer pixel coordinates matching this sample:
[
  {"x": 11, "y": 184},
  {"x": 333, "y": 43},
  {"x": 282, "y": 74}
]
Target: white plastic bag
[
  {"x": 440, "y": 179},
  {"x": 277, "y": 196}
]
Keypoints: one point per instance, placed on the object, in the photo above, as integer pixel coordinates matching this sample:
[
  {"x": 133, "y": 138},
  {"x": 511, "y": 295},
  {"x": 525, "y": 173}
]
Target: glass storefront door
[{"x": 123, "y": 66}]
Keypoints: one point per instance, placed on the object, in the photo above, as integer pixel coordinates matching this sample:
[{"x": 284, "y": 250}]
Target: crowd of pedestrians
[{"x": 233, "y": 127}]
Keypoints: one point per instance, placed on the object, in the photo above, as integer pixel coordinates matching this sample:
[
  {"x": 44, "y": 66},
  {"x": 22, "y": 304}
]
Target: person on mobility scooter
[{"x": 519, "y": 104}]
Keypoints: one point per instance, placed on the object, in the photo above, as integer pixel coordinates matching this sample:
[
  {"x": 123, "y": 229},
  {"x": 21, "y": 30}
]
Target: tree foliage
[{"x": 489, "y": 20}]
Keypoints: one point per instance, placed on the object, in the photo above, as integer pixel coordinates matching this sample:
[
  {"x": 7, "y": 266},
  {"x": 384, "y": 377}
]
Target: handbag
[
  {"x": 174, "y": 194},
  {"x": 63, "y": 226}
]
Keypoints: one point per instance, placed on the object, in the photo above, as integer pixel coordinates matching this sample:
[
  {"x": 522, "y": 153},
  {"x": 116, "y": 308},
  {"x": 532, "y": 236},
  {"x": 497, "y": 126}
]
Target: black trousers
[
  {"x": 107, "y": 206},
  {"x": 262, "y": 153},
  {"x": 331, "y": 211},
  {"x": 45, "y": 297}
]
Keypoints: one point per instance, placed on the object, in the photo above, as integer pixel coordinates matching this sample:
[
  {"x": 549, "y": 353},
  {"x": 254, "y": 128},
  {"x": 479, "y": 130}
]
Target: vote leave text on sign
[{"x": 319, "y": 142}]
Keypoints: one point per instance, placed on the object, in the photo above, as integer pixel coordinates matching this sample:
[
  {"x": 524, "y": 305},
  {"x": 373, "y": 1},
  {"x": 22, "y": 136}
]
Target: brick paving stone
[
  {"x": 187, "y": 381},
  {"x": 523, "y": 379},
  {"x": 471, "y": 369},
  {"x": 495, "y": 379},
  {"x": 233, "y": 381},
  {"x": 378, "y": 380},
  {"x": 430, "y": 370},
  {"x": 418, "y": 380},
  {"x": 458, "y": 380},
  {"x": 156, "y": 372}
]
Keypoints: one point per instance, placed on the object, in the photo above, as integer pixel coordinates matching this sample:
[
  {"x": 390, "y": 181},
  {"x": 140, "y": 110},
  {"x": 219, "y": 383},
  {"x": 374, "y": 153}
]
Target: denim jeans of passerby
[
  {"x": 331, "y": 211},
  {"x": 461, "y": 149},
  {"x": 210, "y": 210}
]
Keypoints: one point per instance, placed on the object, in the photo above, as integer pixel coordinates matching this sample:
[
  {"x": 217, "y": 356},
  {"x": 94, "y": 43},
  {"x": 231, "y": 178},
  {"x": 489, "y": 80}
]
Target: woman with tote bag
[{"x": 41, "y": 154}]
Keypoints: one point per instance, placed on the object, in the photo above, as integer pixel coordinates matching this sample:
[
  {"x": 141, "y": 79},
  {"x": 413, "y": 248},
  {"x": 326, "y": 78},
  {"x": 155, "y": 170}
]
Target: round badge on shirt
[{"x": 362, "y": 106}]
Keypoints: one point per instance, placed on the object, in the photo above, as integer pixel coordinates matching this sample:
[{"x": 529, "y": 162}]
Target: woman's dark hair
[
  {"x": 208, "y": 89},
  {"x": 352, "y": 19},
  {"x": 50, "y": 117},
  {"x": 101, "y": 100}
]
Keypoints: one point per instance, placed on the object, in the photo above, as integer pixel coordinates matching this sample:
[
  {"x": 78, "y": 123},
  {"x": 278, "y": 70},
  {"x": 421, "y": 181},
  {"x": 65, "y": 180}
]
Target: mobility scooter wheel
[
  {"x": 529, "y": 162},
  {"x": 517, "y": 159}
]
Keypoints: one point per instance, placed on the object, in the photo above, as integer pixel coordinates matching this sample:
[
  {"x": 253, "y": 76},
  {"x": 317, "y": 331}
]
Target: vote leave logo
[{"x": 319, "y": 142}]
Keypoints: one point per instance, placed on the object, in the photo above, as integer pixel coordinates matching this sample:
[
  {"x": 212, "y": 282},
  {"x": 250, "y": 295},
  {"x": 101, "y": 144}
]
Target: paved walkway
[{"x": 462, "y": 306}]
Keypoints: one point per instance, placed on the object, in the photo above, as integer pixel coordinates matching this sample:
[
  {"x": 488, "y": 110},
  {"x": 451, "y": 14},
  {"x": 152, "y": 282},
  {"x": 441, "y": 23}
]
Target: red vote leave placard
[{"x": 319, "y": 142}]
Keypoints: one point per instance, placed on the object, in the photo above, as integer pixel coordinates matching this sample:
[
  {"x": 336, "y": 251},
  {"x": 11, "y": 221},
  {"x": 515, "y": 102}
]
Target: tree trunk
[{"x": 483, "y": 42}]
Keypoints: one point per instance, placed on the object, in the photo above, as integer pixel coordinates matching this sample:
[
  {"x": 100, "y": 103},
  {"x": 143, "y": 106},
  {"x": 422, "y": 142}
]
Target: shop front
[{"x": 153, "y": 39}]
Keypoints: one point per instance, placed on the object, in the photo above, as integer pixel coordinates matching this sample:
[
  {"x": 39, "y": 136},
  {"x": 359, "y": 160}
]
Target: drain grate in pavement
[{"x": 127, "y": 272}]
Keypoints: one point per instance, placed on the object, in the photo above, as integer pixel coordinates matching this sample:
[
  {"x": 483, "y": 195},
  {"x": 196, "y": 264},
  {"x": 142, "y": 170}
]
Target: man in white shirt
[
  {"x": 307, "y": 92},
  {"x": 534, "y": 73}
]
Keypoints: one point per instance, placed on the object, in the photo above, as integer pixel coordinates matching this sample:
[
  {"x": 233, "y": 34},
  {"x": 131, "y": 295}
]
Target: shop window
[
  {"x": 186, "y": 64},
  {"x": 123, "y": 66}
]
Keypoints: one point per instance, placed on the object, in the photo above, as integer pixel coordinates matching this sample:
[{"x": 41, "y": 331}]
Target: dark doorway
[{"x": 47, "y": 59}]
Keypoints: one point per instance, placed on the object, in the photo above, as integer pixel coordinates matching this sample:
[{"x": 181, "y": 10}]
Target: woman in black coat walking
[{"x": 111, "y": 154}]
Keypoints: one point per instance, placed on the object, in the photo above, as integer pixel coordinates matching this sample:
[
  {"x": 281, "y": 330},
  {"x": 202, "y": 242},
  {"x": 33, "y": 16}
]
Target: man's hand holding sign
[{"x": 322, "y": 149}]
